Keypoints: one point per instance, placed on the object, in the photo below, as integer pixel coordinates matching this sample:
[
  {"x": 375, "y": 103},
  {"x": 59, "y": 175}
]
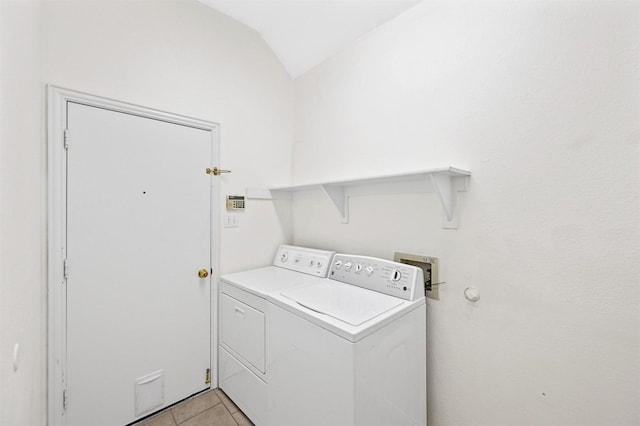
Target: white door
[{"x": 138, "y": 232}]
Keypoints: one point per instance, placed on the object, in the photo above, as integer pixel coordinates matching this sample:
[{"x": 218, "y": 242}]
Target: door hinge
[
  {"x": 65, "y": 268},
  {"x": 66, "y": 138},
  {"x": 65, "y": 399},
  {"x": 207, "y": 376}
]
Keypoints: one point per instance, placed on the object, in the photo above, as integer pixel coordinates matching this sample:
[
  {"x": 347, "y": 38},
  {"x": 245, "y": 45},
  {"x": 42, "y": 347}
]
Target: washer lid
[{"x": 350, "y": 304}]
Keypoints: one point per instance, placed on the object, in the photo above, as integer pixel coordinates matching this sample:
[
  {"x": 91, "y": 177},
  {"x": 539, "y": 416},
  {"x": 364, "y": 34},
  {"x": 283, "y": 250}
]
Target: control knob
[
  {"x": 396, "y": 275},
  {"x": 347, "y": 266},
  {"x": 338, "y": 264},
  {"x": 358, "y": 267},
  {"x": 369, "y": 270},
  {"x": 284, "y": 256}
]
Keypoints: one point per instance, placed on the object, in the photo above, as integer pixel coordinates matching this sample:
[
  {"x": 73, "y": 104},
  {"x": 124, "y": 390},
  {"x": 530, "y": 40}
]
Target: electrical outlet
[{"x": 429, "y": 266}]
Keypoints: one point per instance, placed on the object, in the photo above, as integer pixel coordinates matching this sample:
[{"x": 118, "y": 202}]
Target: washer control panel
[
  {"x": 384, "y": 276},
  {"x": 305, "y": 260}
]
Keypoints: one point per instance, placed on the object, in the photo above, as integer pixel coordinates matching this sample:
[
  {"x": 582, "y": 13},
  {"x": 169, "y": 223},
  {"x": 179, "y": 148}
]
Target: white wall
[
  {"x": 22, "y": 228},
  {"x": 540, "y": 100},
  {"x": 177, "y": 56}
]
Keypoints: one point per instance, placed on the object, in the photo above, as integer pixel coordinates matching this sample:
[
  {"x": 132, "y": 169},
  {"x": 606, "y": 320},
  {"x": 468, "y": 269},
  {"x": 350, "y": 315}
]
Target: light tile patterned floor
[{"x": 211, "y": 408}]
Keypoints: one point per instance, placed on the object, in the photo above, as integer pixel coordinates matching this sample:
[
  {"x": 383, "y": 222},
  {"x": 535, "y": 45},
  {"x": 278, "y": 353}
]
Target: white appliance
[
  {"x": 350, "y": 349},
  {"x": 243, "y": 318}
]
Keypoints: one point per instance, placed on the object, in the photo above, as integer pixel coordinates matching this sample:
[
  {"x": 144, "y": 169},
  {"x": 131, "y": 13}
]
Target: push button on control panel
[{"x": 301, "y": 259}]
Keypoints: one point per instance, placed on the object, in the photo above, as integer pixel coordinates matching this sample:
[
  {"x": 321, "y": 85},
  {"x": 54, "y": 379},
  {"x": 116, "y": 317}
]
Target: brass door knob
[{"x": 203, "y": 273}]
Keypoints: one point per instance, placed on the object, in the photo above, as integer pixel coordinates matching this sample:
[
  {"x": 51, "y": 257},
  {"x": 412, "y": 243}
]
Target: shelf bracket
[
  {"x": 339, "y": 199},
  {"x": 447, "y": 187}
]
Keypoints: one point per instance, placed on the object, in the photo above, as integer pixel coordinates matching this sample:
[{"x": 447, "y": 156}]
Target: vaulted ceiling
[{"x": 303, "y": 33}]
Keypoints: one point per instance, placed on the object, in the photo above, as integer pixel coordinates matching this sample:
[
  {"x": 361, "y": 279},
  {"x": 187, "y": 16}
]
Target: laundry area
[{"x": 319, "y": 212}]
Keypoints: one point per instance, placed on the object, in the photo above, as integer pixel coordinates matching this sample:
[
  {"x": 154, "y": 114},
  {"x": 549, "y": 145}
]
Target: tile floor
[{"x": 210, "y": 408}]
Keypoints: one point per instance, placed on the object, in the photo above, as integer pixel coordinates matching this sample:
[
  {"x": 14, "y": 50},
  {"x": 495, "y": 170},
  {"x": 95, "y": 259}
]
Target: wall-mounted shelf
[{"x": 446, "y": 182}]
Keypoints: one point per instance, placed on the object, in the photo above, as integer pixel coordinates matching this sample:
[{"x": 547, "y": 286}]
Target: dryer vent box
[{"x": 429, "y": 266}]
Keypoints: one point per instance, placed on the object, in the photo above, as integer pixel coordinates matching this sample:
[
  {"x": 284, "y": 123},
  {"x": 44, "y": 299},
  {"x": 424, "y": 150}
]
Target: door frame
[{"x": 56, "y": 229}]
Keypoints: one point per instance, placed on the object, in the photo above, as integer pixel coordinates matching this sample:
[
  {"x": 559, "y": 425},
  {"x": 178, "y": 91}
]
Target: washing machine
[
  {"x": 243, "y": 317},
  {"x": 349, "y": 350}
]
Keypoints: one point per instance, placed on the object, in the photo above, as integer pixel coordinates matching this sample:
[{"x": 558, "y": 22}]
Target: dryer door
[{"x": 242, "y": 330}]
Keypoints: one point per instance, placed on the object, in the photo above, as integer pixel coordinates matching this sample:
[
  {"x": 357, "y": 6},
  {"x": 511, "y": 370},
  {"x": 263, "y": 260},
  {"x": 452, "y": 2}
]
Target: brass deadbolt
[
  {"x": 216, "y": 171},
  {"x": 203, "y": 273}
]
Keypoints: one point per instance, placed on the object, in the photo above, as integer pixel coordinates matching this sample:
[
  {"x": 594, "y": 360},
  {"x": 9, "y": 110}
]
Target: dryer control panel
[
  {"x": 384, "y": 276},
  {"x": 305, "y": 260}
]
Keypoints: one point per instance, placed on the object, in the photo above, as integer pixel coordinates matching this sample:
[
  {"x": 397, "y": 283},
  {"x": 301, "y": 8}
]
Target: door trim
[{"x": 56, "y": 229}]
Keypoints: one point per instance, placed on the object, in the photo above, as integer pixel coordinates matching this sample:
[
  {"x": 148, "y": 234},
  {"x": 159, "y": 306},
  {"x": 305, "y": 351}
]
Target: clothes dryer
[{"x": 243, "y": 318}]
